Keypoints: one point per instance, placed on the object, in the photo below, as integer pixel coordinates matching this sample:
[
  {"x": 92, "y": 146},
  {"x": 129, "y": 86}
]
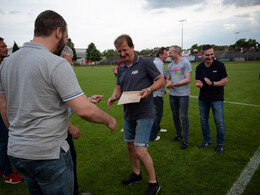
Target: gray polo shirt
[{"x": 37, "y": 84}]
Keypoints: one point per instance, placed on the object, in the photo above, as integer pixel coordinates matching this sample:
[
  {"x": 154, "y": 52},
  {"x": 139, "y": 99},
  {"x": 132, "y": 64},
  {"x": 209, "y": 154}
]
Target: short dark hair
[
  {"x": 47, "y": 22},
  {"x": 1, "y": 39},
  {"x": 124, "y": 37},
  {"x": 206, "y": 47},
  {"x": 160, "y": 51}
]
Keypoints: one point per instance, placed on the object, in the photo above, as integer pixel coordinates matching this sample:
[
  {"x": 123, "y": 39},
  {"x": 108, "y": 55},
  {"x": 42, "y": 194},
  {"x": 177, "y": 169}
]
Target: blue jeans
[
  {"x": 180, "y": 106},
  {"x": 218, "y": 113},
  {"x": 74, "y": 160},
  {"x": 138, "y": 131},
  {"x": 48, "y": 177},
  {"x": 5, "y": 164},
  {"x": 158, "y": 113}
]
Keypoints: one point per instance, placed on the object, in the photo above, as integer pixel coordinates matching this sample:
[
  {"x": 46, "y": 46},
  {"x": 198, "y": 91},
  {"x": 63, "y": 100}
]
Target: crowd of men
[{"x": 38, "y": 90}]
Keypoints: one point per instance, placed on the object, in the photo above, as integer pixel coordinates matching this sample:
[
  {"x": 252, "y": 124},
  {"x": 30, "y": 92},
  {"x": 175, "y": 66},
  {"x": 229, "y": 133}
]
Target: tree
[
  {"x": 71, "y": 45},
  {"x": 245, "y": 44},
  {"x": 252, "y": 42},
  {"x": 194, "y": 49},
  {"x": 242, "y": 43},
  {"x": 145, "y": 52},
  {"x": 110, "y": 53},
  {"x": 15, "y": 47},
  {"x": 92, "y": 53}
]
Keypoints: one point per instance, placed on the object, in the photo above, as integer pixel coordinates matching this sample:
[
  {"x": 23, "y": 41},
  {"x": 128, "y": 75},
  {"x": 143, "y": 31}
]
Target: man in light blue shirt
[{"x": 161, "y": 56}]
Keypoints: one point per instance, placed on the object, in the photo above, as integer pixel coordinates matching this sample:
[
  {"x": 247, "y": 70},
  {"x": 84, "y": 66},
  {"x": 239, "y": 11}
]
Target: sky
[{"x": 150, "y": 23}]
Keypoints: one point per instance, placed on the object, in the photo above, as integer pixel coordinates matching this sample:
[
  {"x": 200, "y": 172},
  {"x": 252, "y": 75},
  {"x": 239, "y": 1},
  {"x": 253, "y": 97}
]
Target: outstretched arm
[
  {"x": 96, "y": 98},
  {"x": 90, "y": 112},
  {"x": 115, "y": 96}
]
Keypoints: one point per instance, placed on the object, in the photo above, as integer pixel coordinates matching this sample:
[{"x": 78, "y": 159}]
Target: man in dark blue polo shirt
[
  {"x": 211, "y": 77},
  {"x": 137, "y": 74}
]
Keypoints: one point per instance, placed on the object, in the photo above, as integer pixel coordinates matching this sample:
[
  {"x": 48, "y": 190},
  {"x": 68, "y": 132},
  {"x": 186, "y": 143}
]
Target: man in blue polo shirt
[
  {"x": 137, "y": 74},
  {"x": 211, "y": 77}
]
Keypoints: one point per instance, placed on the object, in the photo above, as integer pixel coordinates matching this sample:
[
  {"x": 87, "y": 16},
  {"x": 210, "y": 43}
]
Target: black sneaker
[
  {"x": 133, "y": 178},
  {"x": 204, "y": 144},
  {"x": 176, "y": 139},
  {"x": 153, "y": 188},
  {"x": 184, "y": 145},
  {"x": 219, "y": 149}
]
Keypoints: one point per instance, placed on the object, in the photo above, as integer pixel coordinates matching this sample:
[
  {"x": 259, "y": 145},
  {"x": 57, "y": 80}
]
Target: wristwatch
[
  {"x": 212, "y": 84},
  {"x": 149, "y": 90}
]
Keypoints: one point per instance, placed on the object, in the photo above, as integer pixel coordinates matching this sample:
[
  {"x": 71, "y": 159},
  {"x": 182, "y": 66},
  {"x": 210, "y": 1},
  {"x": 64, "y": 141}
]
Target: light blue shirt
[{"x": 159, "y": 65}]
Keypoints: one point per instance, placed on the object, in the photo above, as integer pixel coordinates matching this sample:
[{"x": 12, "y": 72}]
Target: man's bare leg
[
  {"x": 147, "y": 161},
  {"x": 133, "y": 158}
]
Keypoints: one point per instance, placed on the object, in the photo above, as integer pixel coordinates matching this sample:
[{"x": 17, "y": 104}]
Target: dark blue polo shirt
[
  {"x": 140, "y": 75},
  {"x": 215, "y": 72}
]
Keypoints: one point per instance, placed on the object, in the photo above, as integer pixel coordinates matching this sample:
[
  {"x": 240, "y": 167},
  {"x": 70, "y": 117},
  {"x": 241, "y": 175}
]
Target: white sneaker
[
  {"x": 122, "y": 130},
  {"x": 163, "y": 130},
  {"x": 157, "y": 138}
]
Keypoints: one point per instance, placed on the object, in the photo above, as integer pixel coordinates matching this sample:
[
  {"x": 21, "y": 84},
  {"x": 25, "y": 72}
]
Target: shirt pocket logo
[{"x": 135, "y": 72}]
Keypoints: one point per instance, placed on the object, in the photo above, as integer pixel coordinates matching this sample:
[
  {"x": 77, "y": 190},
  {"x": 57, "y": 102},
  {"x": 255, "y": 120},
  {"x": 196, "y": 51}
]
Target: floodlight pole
[
  {"x": 236, "y": 37},
  {"x": 182, "y": 32}
]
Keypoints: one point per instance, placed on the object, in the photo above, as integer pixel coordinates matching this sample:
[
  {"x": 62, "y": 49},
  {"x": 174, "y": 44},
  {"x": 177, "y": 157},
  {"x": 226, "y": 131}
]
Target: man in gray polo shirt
[{"x": 36, "y": 88}]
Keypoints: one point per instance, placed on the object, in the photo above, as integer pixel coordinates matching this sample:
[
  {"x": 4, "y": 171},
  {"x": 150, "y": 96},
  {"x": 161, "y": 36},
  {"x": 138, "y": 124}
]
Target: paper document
[{"x": 128, "y": 97}]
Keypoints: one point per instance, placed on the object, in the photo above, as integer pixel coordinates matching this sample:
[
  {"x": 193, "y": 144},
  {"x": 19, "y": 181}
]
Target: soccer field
[{"x": 103, "y": 159}]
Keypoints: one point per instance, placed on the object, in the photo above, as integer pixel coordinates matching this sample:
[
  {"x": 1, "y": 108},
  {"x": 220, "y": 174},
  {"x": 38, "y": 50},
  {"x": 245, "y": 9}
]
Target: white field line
[
  {"x": 240, "y": 185},
  {"x": 244, "y": 104}
]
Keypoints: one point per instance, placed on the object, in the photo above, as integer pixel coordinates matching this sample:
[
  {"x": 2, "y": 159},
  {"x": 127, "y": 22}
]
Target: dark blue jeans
[
  {"x": 180, "y": 106},
  {"x": 157, "y": 117},
  {"x": 218, "y": 113},
  {"x": 5, "y": 164},
  {"x": 48, "y": 177},
  {"x": 74, "y": 160}
]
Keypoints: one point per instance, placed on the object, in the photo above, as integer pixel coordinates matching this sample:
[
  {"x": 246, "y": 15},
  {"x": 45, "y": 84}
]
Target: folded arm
[
  {"x": 222, "y": 82},
  {"x": 185, "y": 81}
]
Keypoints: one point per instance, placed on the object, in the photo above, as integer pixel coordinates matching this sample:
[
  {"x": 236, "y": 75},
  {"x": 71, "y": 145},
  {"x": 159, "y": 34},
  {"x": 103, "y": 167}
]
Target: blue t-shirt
[{"x": 140, "y": 75}]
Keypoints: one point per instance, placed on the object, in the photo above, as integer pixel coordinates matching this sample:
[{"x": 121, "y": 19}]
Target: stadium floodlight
[
  {"x": 182, "y": 32},
  {"x": 236, "y": 38}
]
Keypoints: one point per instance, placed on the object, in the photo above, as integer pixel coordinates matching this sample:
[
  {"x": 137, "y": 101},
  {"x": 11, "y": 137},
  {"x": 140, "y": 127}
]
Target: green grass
[{"x": 103, "y": 159}]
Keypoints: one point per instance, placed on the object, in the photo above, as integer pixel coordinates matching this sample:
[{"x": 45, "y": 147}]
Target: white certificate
[{"x": 128, "y": 97}]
